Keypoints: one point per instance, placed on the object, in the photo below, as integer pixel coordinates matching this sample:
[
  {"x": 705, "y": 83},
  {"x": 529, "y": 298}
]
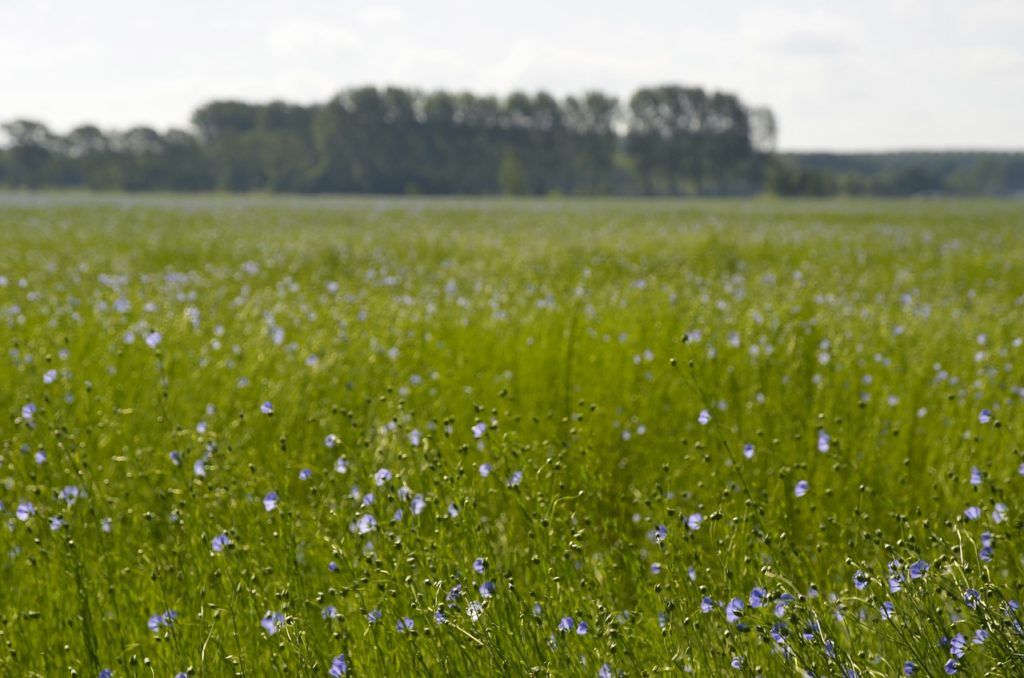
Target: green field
[{"x": 510, "y": 438}]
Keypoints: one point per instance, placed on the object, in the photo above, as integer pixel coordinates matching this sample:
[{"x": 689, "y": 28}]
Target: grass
[{"x": 568, "y": 348}]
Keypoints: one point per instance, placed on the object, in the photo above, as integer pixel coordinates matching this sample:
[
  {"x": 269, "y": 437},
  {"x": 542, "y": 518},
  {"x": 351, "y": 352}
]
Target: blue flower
[
  {"x": 660, "y": 533},
  {"x": 270, "y": 501},
  {"x": 329, "y": 612},
  {"x": 980, "y": 636},
  {"x": 439, "y": 617},
  {"x": 976, "y": 476},
  {"x": 824, "y": 439},
  {"x": 704, "y": 418},
  {"x": 733, "y": 610},
  {"x": 887, "y": 609},
  {"x": 748, "y": 451},
  {"x": 605, "y": 671},
  {"x": 404, "y": 624},
  {"x": 801, "y": 488},
  {"x": 909, "y": 668},
  {"x": 736, "y": 663},
  {"x": 566, "y": 624},
  {"x": 694, "y": 521},
  {"x": 374, "y": 616},
  {"x": 339, "y": 667},
  {"x": 382, "y": 476},
  {"x": 479, "y": 429},
  {"x": 25, "y": 511},
  {"x": 860, "y": 580},
  {"x": 106, "y": 673},
  {"x": 418, "y": 504},
  {"x": 220, "y": 542},
  {"x": 984, "y": 417},
  {"x": 272, "y": 622},
  {"x": 780, "y": 605},
  {"x": 918, "y": 569},
  {"x": 366, "y": 523},
  {"x": 487, "y": 589},
  {"x": 158, "y": 621},
  {"x": 757, "y": 595},
  {"x": 516, "y": 479},
  {"x": 582, "y": 628},
  {"x": 485, "y": 470},
  {"x": 952, "y": 665},
  {"x": 707, "y": 604},
  {"x": 267, "y": 408},
  {"x": 341, "y": 465},
  {"x": 972, "y": 598},
  {"x": 479, "y": 565},
  {"x": 305, "y": 474}
]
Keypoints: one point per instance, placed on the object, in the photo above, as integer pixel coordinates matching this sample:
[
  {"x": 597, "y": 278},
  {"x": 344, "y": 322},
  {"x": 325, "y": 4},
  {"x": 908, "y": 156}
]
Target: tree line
[{"x": 666, "y": 140}]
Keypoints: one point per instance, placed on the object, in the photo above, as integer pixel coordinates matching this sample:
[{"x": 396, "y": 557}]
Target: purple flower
[
  {"x": 339, "y": 667},
  {"x": 694, "y": 521},
  {"x": 984, "y": 417},
  {"x": 479, "y": 429},
  {"x": 748, "y": 451},
  {"x": 270, "y": 501},
  {"x": 972, "y": 598},
  {"x": 958, "y": 646},
  {"x": 366, "y": 523},
  {"x": 704, "y": 418},
  {"x": 918, "y": 569},
  {"x": 736, "y": 663},
  {"x": 582, "y": 628},
  {"x": 404, "y": 624},
  {"x": 272, "y": 622},
  {"x": 909, "y": 668},
  {"x": 707, "y": 604},
  {"x": 487, "y": 589},
  {"x": 516, "y": 479},
  {"x": 566, "y": 624},
  {"x": 860, "y": 580},
  {"x": 757, "y": 595},
  {"x": 382, "y": 476},
  {"x": 374, "y": 616},
  {"x": 267, "y": 408},
  {"x": 976, "y": 476},
  {"x": 733, "y": 610},
  {"x": 485, "y": 470},
  {"x": 479, "y": 565},
  {"x": 418, "y": 504},
  {"x": 824, "y": 440},
  {"x": 220, "y": 542},
  {"x": 25, "y": 511},
  {"x": 801, "y": 488},
  {"x": 305, "y": 474}
]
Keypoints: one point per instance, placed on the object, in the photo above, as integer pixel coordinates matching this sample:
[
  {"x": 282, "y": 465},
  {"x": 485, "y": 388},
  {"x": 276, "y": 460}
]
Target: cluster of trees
[
  {"x": 894, "y": 174},
  {"x": 664, "y": 140}
]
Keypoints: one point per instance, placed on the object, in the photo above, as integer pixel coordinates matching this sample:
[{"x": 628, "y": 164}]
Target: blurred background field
[{"x": 295, "y": 436}]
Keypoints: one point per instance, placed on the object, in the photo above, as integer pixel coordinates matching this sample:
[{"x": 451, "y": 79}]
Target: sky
[{"x": 868, "y": 75}]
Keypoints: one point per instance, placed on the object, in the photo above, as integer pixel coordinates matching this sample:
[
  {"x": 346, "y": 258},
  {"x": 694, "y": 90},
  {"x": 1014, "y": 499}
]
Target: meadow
[{"x": 309, "y": 437}]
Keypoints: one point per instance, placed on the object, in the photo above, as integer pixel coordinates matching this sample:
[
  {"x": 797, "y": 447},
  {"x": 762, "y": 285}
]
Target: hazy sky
[{"x": 869, "y": 74}]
